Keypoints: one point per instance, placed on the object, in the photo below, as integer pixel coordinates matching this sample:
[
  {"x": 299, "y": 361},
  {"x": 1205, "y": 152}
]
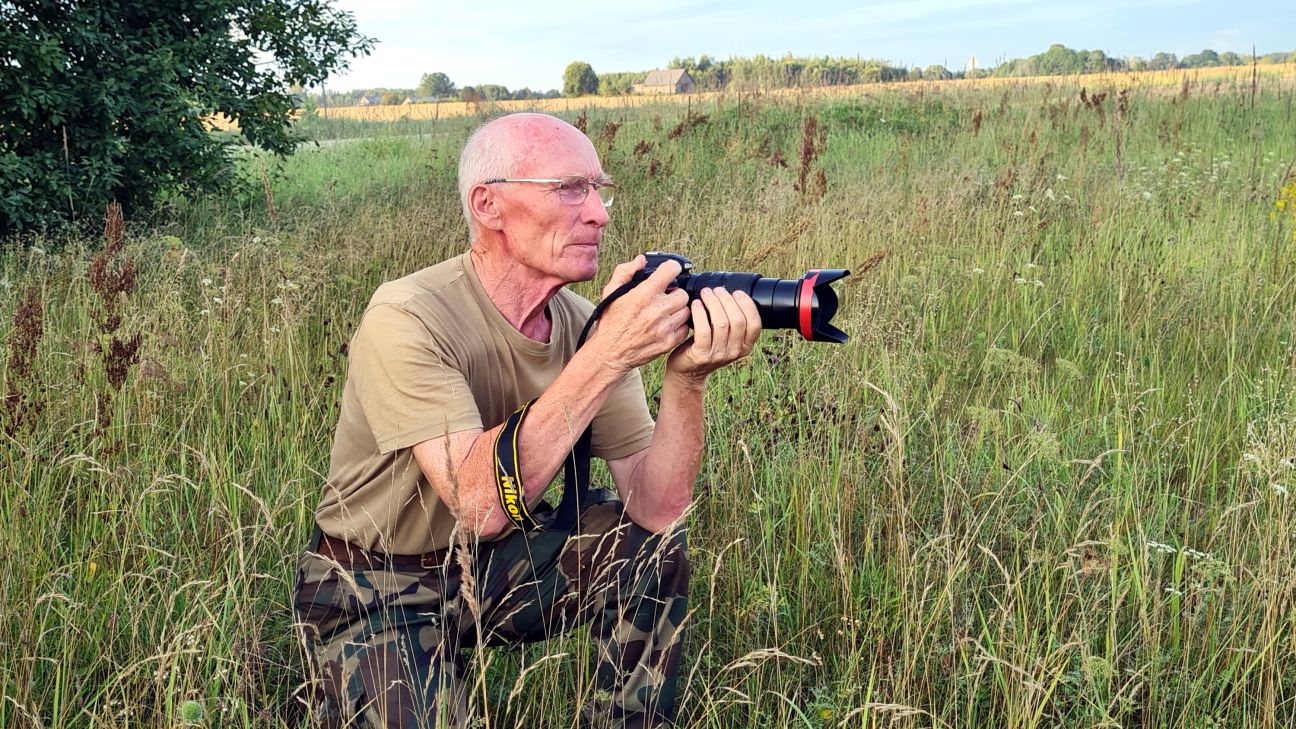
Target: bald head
[{"x": 510, "y": 146}]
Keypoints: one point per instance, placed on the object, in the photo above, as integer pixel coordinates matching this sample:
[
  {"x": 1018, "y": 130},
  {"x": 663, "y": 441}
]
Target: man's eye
[{"x": 573, "y": 186}]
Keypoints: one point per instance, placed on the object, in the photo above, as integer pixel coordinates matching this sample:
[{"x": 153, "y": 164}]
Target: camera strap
[
  {"x": 576, "y": 476},
  {"x": 508, "y": 475}
]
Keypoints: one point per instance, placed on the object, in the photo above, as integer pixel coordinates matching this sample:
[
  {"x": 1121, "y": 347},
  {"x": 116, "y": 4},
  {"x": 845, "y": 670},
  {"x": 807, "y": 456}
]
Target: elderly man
[{"x": 415, "y": 561}]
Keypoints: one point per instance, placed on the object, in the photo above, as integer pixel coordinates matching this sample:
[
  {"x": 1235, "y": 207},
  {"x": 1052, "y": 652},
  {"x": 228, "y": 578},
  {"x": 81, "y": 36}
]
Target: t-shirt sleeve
[
  {"x": 408, "y": 387},
  {"x": 623, "y": 425}
]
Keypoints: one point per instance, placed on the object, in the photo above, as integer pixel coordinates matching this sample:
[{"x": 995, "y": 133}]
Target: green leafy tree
[
  {"x": 1205, "y": 59},
  {"x": 103, "y": 99},
  {"x": 1163, "y": 62},
  {"x": 937, "y": 72},
  {"x": 579, "y": 79},
  {"x": 494, "y": 92},
  {"x": 1229, "y": 58},
  {"x": 436, "y": 84}
]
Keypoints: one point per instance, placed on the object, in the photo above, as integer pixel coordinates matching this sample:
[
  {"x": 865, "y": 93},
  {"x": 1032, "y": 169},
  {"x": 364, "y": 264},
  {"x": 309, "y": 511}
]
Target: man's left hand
[{"x": 725, "y": 328}]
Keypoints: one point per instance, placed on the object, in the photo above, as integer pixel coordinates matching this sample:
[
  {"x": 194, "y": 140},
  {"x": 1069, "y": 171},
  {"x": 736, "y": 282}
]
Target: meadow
[{"x": 1046, "y": 483}]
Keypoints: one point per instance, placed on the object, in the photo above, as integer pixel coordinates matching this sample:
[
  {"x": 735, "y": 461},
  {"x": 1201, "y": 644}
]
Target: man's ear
[{"x": 484, "y": 205}]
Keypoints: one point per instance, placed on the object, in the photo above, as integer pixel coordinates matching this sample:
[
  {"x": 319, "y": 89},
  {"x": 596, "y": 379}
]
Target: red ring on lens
[{"x": 805, "y": 304}]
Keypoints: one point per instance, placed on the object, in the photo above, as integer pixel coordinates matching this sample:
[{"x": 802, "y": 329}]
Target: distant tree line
[
  {"x": 1060, "y": 60},
  {"x": 766, "y": 72},
  {"x": 434, "y": 86}
]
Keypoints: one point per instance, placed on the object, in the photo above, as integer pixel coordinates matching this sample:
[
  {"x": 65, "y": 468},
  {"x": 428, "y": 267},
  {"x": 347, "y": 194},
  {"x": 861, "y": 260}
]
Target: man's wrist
[{"x": 687, "y": 381}]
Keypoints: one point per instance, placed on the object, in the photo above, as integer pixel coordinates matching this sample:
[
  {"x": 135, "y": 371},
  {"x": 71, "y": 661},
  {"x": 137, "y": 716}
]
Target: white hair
[{"x": 486, "y": 155}]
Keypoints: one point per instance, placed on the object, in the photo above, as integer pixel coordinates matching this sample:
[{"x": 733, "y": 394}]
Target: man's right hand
[{"x": 646, "y": 322}]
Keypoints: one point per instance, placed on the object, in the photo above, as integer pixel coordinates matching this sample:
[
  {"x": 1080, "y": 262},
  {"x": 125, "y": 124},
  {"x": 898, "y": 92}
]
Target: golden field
[{"x": 1230, "y": 75}]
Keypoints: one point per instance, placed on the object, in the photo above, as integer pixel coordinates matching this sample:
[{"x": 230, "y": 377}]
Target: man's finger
[
  {"x": 752, "y": 314},
  {"x": 622, "y": 274},
  {"x": 677, "y": 300},
  {"x": 701, "y": 328},
  {"x": 661, "y": 278},
  {"x": 720, "y": 322},
  {"x": 737, "y": 323}
]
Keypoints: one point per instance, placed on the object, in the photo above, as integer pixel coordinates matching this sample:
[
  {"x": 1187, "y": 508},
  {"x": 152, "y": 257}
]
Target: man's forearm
[
  {"x": 661, "y": 488},
  {"x": 553, "y": 425}
]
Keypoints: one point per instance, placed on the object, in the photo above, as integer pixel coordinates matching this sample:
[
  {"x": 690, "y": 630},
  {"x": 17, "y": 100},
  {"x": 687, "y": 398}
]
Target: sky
[{"x": 519, "y": 44}]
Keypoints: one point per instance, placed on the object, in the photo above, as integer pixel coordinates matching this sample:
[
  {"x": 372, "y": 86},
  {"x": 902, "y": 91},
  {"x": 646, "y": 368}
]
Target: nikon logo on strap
[{"x": 508, "y": 476}]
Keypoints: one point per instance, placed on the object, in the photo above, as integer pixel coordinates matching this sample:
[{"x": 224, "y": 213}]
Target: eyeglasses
[{"x": 572, "y": 189}]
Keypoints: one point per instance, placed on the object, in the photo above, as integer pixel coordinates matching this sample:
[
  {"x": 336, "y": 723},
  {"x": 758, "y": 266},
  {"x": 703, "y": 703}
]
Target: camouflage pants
[{"x": 387, "y": 642}]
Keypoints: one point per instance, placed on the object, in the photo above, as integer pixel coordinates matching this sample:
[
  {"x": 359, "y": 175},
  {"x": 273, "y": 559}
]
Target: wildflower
[
  {"x": 1018, "y": 213},
  {"x": 206, "y": 282},
  {"x": 1016, "y": 197},
  {"x": 91, "y": 569},
  {"x": 1279, "y": 489},
  {"x": 1060, "y": 178},
  {"x": 1049, "y": 194},
  {"x": 1195, "y": 554},
  {"x": 1174, "y": 592},
  {"x": 1067, "y": 369},
  {"x": 1147, "y": 195},
  {"x": 1019, "y": 280},
  {"x": 217, "y": 300},
  {"x": 1044, "y": 445},
  {"x": 274, "y": 330},
  {"x": 826, "y": 714},
  {"x": 205, "y": 312},
  {"x": 1038, "y": 283},
  {"x": 1162, "y": 548},
  {"x": 1009, "y": 362},
  {"x": 276, "y": 301},
  {"x": 978, "y": 270}
]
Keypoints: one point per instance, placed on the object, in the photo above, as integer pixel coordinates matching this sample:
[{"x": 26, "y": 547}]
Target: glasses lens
[
  {"x": 605, "y": 193},
  {"x": 573, "y": 190}
]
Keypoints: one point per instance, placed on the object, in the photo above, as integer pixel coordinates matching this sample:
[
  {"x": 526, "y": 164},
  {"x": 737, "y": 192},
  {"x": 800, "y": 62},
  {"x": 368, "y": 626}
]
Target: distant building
[
  {"x": 666, "y": 81},
  {"x": 369, "y": 101},
  {"x": 421, "y": 99}
]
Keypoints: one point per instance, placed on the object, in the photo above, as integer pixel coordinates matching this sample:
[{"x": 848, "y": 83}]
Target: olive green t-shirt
[{"x": 433, "y": 356}]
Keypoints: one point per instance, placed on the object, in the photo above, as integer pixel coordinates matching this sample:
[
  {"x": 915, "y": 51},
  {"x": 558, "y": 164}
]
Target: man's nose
[{"x": 593, "y": 211}]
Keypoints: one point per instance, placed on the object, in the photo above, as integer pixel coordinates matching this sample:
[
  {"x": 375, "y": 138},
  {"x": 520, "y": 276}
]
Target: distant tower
[{"x": 972, "y": 67}]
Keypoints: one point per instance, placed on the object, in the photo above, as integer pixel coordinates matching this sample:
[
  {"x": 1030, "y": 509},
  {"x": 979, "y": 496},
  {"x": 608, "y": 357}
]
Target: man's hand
[
  {"x": 725, "y": 328},
  {"x": 646, "y": 322}
]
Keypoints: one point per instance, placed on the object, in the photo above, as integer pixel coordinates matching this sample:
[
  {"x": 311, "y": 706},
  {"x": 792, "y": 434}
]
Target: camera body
[{"x": 806, "y": 304}]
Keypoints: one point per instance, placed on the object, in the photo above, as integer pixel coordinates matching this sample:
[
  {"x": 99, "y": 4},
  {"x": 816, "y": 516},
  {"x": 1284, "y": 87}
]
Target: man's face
[{"x": 555, "y": 239}]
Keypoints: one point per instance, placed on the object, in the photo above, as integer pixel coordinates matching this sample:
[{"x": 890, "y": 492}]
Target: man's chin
[{"x": 587, "y": 269}]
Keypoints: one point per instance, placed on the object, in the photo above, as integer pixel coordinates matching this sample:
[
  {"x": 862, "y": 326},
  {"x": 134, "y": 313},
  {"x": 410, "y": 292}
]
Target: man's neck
[{"x": 517, "y": 293}]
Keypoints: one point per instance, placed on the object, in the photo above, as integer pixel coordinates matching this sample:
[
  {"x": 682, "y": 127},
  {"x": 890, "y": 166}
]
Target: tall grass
[{"x": 1047, "y": 483}]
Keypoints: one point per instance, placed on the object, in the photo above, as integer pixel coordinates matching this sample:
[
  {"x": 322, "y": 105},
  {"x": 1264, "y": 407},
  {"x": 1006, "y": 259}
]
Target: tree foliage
[
  {"x": 1062, "y": 61},
  {"x": 108, "y": 99},
  {"x": 436, "y": 84},
  {"x": 579, "y": 79}
]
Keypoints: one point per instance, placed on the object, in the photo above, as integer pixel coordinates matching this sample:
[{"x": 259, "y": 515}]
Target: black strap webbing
[{"x": 508, "y": 474}]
